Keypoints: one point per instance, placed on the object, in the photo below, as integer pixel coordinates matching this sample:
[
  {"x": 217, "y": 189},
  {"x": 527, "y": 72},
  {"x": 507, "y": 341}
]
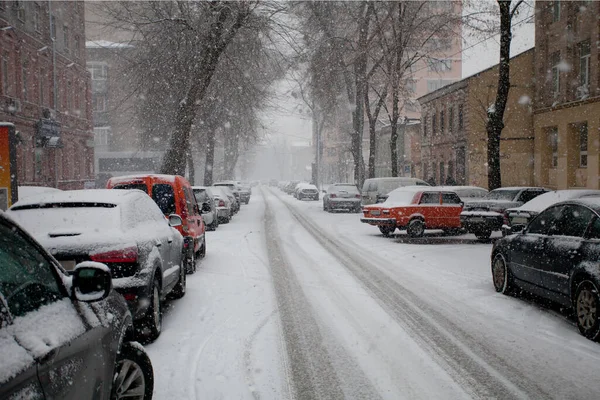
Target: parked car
[
  {"x": 307, "y": 191},
  {"x": 485, "y": 216},
  {"x": 245, "y": 192},
  {"x": 174, "y": 195},
  {"x": 54, "y": 344},
  {"x": 235, "y": 203},
  {"x": 223, "y": 204},
  {"x": 467, "y": 194},
  {"x": 520, "y": 216},
  {"x": 291, "y": 187},
  {"x": 234, "y": 187},
  {"x": 415, "y": 208},
  {"x": 122, "y": 229},
  {"x": 556, "y": 257},
  {"x": 206, "y": 201},
  {"x": 29, "y": 191},
  {"x": 342, "y": 196},
  {"x": 375, "y": 190}
]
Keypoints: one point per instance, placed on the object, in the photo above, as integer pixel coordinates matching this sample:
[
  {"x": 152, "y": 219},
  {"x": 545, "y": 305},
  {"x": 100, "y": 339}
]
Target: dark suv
[{"x": 63, "y": 336}]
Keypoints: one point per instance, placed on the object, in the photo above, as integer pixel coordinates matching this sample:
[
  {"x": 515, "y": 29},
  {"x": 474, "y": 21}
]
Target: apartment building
[{"x": 45, "y": 91}]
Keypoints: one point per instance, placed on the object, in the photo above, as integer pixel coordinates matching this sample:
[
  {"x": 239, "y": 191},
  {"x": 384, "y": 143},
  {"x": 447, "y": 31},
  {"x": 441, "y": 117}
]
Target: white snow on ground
[{"x": 223, "y": 340}]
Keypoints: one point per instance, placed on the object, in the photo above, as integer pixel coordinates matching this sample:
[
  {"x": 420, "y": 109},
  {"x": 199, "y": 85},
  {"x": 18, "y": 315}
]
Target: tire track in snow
[
  {"x": 313, "y": 375},
  {"x": 466, "y": 359}
]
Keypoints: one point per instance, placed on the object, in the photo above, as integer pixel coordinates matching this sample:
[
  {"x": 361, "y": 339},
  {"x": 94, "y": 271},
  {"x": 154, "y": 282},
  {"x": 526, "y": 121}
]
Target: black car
[
  {"x": 556, "y": 257},
  {"x": 63, "y": 336}
]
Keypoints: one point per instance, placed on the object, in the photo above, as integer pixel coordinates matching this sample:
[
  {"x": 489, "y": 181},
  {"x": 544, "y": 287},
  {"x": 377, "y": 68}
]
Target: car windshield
[
  {"x": 505, "y": 195},
  {"x": 363, "y": 160}
]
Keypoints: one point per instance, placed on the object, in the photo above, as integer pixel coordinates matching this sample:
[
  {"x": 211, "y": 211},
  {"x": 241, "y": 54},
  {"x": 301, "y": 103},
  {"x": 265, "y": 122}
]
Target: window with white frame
[
  {"x": 553, "y": 139},
  {"x": 99, "y": 103},
  {"x": 99, "y": 71},
  {"x": 101, "y": 135},
  {"x": 584, "y": 63},
  {"x": 583, "y": 144},
  {"x": 439, "y": 65},
  {"x": 36, "y": 17},
  {"x": 66, "y": 38}
]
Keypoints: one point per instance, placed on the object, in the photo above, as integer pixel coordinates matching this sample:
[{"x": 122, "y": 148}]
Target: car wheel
[
  {"x": 501, "y": 275},
  {"x": 483, "y": 234},
  {"x": 179, "y": 289},
  {"x": 151, "y": 325},
  {"x": 214, "y": 225},
  {"x": 202, "y": 252},
  {"x": 190, "y": 265},
  {"x": 386, "y": 230},
  {"x": 416, "y": 228},
  {"x": 586, "y": 307},
  {"x": 133, "y": 377},
  {"x": 358, "y": 210}
]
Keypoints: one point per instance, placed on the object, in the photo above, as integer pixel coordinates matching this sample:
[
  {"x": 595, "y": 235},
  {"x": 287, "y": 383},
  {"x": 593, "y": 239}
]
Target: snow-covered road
[{"x": 293, "y": 302}]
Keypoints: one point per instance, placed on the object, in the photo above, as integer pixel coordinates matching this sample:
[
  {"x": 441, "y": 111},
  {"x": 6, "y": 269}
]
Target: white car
[
  {"x": 306, "y": 191},
  {"x": 30, "y": 191},
  {"x": 223, "y": 204}
]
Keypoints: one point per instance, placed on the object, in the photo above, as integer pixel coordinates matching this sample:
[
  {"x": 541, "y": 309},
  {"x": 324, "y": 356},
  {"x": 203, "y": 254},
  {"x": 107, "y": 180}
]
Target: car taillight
[
  {"x": 182, "y": 206},
  {"x": 221, "y": 203},
  {"x": 129, "y": 296},
  {"x": 126, "y": 255},
  {"x": 333, "y": 196},
  {"x": 357, "y": 196},
  {"x": 505, "y": 219}
]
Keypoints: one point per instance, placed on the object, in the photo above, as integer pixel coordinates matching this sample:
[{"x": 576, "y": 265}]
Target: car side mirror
[
  {"x": 206, "y": 208},
  {"x": 175, "y": 220},
  {"x": 92, "y": 281}
]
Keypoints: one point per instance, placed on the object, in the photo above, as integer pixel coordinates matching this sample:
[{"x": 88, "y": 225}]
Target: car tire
[
  {"x": 214, "y": 225},
  {"x": 190, "y": 263},
  {"x": 133, "y": 373},
  {"x": 358, "y": 210},
  {"x": 180, "y": 288},
  {"x": 202, "y": 252},
  {"x": 386, "y": 230},
  {"x": 502, "y": 277},
  {"x": 587, "y": 306},
  {"x": 416, "y": 228},
  {"x": 483, "y": 234},
  {"x": 150, "y": 326}
]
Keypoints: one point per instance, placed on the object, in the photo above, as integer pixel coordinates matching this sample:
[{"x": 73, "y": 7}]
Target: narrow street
[{"x": 292, "y": 302}]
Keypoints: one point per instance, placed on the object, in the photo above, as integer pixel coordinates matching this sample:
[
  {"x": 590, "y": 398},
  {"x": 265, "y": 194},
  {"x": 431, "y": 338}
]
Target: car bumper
[
  {"x": 474, "y": 223},
  {"x": 344, "y": 204},
  {"x": 245, "y": 197},
  {"x": 379, "y": 221}
]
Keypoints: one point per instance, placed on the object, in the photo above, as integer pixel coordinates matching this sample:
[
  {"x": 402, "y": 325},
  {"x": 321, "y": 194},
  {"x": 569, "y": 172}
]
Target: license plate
[
  {"x": 376, "y": 212},
  {"x": 519, "y": 220},
  {"x": 69, "y": 265},
  {"x": 477, "y": 219}
]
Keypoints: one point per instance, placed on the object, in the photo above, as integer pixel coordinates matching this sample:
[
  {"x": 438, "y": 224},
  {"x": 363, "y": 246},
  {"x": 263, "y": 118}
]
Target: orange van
[
  {"x": 174, "y": 195},
  {"x": 416, "y": 208}
]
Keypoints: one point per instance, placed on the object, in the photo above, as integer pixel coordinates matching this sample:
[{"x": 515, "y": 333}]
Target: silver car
[
  {"x": 205, "y": 199},
  {"x": 342, "y": 196},
  {"x": 375, "y": 190},
  {"x": 223, "y": 204}
]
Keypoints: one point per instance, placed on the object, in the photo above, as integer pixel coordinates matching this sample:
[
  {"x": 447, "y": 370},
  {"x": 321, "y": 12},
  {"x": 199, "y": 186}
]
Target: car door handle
[
  {"x": 158, "y": 243},
  {"x": 170, "y": 240}
]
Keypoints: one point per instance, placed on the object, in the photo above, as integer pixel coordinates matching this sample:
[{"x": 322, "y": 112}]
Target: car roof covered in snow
[
  {"x": 453, "y": 188},
  {"x": 591, "y": 202},
  {"x": 545, "y": 200},
  {"x": 92, "y": 196},
  {"x": 126, "y": 178},
  {"x": 518, "y": 188}
]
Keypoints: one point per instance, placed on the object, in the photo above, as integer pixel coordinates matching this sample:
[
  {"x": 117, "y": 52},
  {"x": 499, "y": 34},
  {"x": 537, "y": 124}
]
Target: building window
[
  {"x": 99, "y": 71},
  {"x": 450, "y": 172},
  {"x": 69, "y": 95},
  {"x": 441, "y": 172},
  {"x": 555, "y": 10},
  {"x": 434, "y": 123},
  {"x": 99, "y": 103},
  {"x": 20, "y": 7},
  {"x": 66, "y": 38},
  {"x": 450, "y": 120},
  {"x": 442, "y": 121},
  {"x": 437, "y": 65},
  {"x": 460, "y": 117},
  {"x": 554, "y": 62},
  {"x": 584, "y": 63},
  {"x": 435, "y": 84},
  {"x": 553, "y": 138},
  {"x": 583, "y": 145},
  {"x": 101, "y": 135},
  {"x": 42, "y": 85},
  {"x": 77, "y": 48},
  {"x": 36, "y": 18},
  {"x": 53, "y": 27},
  {"x": 24, "y": 83},
  {"x": 425, "y": 125},
  {"x": 5, "y": 81}
]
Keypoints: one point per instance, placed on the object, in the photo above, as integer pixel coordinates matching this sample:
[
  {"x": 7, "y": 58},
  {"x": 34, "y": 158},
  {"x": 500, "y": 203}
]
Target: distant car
[
  {"x": 375, "y": 190},
  {"x": 123, "y": 229},
  {"x": 342, "y": 196},
  {"x": 223, "y": 204},
  {"x": 482, "y": 217},
  {"x": 174, "y": 195},
  {"x": 290, "y": 187},
  {"x": 520, "y": 216},
  {"x": 556, "y": 257},
  {"x": 64, "y": 336},
  {"x": 30, "y": 191},
  {"x": 307, "y": 191},
  {"x": 415, "y": 209},
  {"x": 234, "y": 187},
  {"x": 235, "y": 203},
  {"x": 467, "y": 194},
  {"x": 245, "y": 192},
  {"x": 206, "y": 202}
]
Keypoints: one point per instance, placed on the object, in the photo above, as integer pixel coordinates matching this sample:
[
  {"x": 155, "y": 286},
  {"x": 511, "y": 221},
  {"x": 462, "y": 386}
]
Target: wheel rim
[
  {"x": 156, "y": 309},
  {"x": 499, "y": 273},
  {"x": 417, "y": 228},
  {"x": 129, "y": 382},
  {"x": 586, "y": 309},
  {"x": 183, "y": 280}
]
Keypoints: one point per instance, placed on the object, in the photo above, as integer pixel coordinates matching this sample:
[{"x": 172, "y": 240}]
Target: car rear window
[
  {"x": 400, "y": 197},
  {"x": 129, "y": 186},
  {"x": 164, "y": 196},
  {"x": 347, "y": 188}
]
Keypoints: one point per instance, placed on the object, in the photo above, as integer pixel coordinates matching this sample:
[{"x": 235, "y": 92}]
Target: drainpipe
[{"x": 54, "y": 94}]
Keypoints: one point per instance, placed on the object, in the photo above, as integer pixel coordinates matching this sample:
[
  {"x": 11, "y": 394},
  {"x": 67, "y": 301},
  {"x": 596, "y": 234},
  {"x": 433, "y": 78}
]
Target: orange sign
[{"x": 8, "y": 165}]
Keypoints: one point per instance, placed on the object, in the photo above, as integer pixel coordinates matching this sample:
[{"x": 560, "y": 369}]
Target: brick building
[{"x": 45, "y": 91}]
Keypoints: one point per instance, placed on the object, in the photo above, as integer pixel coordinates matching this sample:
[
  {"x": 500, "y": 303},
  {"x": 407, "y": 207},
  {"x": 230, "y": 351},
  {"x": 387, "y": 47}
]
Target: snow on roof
[
  {"x": 545, "y": 200},
  {"x": 109, "y": 196},
  {"x": 517, "y": 188},
  {"x": 118, "y": 179},
  {"x": 105, "y": 44}
]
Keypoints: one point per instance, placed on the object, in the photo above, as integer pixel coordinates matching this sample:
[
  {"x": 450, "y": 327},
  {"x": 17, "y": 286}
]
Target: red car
[{"x": 415, "y": 208}]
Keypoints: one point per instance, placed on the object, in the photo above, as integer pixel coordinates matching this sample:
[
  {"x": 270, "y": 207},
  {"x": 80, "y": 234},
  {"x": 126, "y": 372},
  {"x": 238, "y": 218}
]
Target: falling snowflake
[{"x": 524, "y": 100}]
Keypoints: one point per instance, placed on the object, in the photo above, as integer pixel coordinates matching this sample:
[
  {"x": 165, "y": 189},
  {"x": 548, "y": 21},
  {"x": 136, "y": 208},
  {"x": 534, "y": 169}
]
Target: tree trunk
[
  {"x": 394, "y": 127},
  {"x": 495, "y": 122},
  {"x": 191, "y": 169},
  {"x": 210, "y": 158}
]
